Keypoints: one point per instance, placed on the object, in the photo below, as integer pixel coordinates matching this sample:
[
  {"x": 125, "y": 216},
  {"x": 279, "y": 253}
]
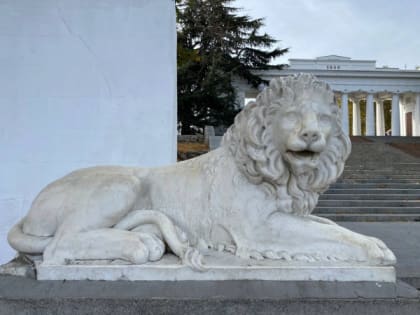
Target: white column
[
  {"x": 370, "y": 121},
  {"x": 240, "y": 98},
  {"x": 395, "y": 115},
  {"x": 356, "y": 118},
  {"x": 416, "y": 127},
  {"x": 402, "y": 116},
  {"x": 345, "y": 113},
  {"x": 380, "y": 120}
]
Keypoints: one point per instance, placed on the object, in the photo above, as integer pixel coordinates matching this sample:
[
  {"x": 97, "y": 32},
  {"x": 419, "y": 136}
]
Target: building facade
[
  {"x": 354, "y": 81},
  {"x": 82, "y": 83}
]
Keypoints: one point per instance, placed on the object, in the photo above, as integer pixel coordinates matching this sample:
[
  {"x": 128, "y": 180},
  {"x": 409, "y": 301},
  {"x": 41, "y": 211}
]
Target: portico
[{"x": 357, "y": 82}]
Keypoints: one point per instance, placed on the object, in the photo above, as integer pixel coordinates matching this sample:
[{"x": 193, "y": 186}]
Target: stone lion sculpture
[{"x": 252, "y": 197}]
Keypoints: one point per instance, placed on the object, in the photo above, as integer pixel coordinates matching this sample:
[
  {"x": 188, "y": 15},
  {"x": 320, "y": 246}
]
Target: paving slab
[{"x": 403, "y": 238}]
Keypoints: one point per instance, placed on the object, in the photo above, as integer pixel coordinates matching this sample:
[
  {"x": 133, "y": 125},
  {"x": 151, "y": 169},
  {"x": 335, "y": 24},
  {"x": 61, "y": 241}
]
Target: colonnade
[
  {"x": 402, "y": 103},
  {"x": 375, "y": 103}
]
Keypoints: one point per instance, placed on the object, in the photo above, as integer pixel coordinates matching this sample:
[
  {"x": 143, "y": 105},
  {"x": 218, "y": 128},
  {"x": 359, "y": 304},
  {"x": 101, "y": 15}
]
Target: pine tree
[{"x": 215, "y": 45}]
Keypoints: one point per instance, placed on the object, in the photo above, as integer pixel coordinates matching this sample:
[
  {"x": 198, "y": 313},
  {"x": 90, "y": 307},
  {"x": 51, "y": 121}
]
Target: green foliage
[{"x": 216, "y": 44}]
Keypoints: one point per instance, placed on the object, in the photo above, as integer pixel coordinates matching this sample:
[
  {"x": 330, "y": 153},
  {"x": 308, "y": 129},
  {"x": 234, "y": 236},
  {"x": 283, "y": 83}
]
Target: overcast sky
[{"x": 385, "y": 31}]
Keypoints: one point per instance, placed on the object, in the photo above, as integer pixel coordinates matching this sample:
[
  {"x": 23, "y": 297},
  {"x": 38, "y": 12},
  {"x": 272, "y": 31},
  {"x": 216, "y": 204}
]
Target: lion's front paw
[{"x": 378, "y": 252}]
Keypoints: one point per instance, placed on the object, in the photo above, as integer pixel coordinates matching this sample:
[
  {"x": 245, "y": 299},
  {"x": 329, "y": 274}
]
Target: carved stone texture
[{"x": 252, "y": 197}]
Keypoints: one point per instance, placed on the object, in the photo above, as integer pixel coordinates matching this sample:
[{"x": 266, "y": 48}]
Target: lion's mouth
[{"x": 303, "y": 154}]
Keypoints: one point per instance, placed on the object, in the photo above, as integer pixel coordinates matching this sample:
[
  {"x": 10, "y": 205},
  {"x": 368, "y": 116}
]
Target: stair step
[
  {"x": 375, "y": 196},
  {"x": 380, "y": 181},
  {"x": 393, "y": 167},
  {"x": 381, "y": 165},
  {"x": 369, "y": 203},
  {"x": 381, "y": 176},
  {"x": 384, "y": 170},
  {"x": 381, "y": 172},
  {"x": 376, "y": 185},
  {"x": 366, "y": 210},
  {"x": 368, "y": 191},
  {"x": 380, "y": 217}
]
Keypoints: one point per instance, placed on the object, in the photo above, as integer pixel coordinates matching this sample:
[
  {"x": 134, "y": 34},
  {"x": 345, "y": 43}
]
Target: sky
[{"x": 385, "y": 31}]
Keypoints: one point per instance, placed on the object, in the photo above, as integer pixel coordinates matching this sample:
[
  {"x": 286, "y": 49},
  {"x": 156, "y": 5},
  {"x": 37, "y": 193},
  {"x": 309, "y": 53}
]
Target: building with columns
[{"x": 354, "y": 81}]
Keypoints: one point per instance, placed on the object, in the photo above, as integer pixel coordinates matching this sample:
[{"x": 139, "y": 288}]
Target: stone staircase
[{"x": 379, "y": 183}]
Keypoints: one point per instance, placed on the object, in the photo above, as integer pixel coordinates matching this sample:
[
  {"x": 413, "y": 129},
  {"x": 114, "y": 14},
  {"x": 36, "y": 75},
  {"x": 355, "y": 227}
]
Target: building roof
[{"x": 333, "y": 57}]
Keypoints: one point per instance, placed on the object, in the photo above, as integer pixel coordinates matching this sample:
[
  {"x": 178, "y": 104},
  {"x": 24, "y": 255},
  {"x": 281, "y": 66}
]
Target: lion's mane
[{"x": 250, "y": 141}]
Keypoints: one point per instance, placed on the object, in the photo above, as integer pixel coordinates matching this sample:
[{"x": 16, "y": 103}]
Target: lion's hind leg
[
  {"x": 104, "y": 244},
  {"x": 153, "y": 242},
  {"x": 170, "y": 233}
]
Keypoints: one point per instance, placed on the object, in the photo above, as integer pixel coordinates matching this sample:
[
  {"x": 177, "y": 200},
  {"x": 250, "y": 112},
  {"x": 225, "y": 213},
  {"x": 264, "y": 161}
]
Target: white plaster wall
[{"x": 82, "y": 82}]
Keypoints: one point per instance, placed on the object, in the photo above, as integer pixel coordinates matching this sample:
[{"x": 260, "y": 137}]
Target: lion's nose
[{"x": 310, "y": 136}]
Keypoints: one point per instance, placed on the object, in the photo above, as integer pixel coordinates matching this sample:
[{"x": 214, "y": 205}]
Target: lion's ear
[
  {"x": 287, "y": 96},
  {"x": 276, "y": 84},
  {"x": 279, "y": 90}
]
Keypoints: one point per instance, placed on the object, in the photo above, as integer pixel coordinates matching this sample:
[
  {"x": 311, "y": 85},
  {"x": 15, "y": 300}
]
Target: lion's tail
[
  {"x": 25, "y": 243},
  {"x": 172, "y": 236}
]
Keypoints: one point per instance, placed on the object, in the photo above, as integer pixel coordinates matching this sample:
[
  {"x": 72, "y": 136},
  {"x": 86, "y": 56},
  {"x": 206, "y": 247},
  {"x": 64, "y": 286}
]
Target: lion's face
[
  {"x": 290, "y": 136},
  {"x": 302, "y": 130}
]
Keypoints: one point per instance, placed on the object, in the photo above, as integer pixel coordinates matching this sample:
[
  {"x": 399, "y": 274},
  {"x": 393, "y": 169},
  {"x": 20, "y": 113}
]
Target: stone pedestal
[
  {"x": 219, "y": 266},
  {"x": 24, "y": 295}
]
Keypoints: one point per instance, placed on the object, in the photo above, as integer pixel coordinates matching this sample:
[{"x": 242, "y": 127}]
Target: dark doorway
[{"x": 409, "y": 124}]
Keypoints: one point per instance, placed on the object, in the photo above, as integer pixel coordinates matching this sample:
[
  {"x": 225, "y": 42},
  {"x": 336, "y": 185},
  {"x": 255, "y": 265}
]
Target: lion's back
[{"x": 74, "y": 192}]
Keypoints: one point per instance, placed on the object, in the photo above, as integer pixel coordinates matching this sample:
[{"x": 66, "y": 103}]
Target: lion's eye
[
  {"x": 291, "y": 117},
  {"x": 324, "y": 119}
]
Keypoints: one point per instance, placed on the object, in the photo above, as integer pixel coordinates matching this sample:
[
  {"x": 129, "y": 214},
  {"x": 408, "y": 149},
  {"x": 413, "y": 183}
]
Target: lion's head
[{"x": 290, "y": 140}]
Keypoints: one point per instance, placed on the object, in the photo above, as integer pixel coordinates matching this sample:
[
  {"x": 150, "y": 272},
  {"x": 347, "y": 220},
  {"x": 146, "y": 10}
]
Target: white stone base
[{"x": 170, "y": 269}]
